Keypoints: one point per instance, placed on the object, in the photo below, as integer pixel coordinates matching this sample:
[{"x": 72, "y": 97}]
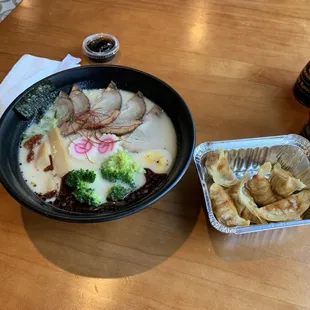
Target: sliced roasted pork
[
  {"x": 133, "y": 110},
  {"x": 73, "y": 105},
  {"x": 70, "y": 127},
  {"x": 79, "y": 100},
  {"x": 108, "y": 101},
  {"x": 130, "y": 116},
  {"x": 104, "y": 109},
  {"x": 64, "y": 108},
  {"x": 120, "y": 129},
  {"x": 151, "y": 134}
]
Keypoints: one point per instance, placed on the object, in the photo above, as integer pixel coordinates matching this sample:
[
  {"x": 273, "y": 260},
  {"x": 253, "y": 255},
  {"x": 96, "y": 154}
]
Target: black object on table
[{"x": 302, "y": 94}]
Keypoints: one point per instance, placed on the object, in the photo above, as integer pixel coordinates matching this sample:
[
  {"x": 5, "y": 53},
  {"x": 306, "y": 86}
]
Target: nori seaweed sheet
[{"x": 37, "y": 101}]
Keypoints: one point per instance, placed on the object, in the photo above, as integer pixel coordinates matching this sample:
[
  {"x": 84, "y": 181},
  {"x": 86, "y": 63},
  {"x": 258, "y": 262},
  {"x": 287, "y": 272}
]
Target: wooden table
[{"x": 234, "y": 62}]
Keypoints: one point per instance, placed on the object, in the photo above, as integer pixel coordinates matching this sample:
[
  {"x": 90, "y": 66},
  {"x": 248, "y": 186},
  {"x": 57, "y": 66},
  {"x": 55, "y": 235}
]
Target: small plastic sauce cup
[{"x": 100, "y": 47}]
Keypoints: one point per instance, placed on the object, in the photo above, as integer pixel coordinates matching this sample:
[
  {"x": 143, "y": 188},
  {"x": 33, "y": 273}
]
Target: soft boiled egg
[{"x": 157, "y": 160}]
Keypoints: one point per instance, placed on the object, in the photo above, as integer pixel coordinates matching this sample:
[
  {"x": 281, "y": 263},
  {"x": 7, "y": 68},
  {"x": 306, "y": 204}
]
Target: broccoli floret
[
  {"x": 120, "y": 167},
  {"x": 117, "y": 193},
  {"x": 79, "y": 181},
  {"x": 81, "y": 175},
  {"x": 84, "y": 194}
]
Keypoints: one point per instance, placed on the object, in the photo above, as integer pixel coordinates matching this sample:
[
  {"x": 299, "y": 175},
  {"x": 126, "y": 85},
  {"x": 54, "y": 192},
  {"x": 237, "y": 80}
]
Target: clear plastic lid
[{"x": 100, "y": 46}]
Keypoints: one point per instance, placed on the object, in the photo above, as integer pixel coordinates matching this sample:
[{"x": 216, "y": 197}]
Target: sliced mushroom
[
  {"x": 79, "y": 100},
  {"x": 64, "y": 108}
]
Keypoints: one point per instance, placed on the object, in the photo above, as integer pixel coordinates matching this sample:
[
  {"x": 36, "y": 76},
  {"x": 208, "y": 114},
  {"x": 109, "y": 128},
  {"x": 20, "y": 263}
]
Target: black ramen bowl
[{"x": 12, "y": 126}]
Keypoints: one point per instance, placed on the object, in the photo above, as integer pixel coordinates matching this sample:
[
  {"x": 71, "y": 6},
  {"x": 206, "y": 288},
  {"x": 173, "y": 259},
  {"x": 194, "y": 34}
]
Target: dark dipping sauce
[
  {"x": 65, "y": 199},
  {"x": 101, "y": 45}
]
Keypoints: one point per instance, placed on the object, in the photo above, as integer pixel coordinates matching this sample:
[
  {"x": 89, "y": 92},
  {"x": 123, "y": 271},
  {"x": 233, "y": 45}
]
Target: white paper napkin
[{"x": 27, "y": 71}]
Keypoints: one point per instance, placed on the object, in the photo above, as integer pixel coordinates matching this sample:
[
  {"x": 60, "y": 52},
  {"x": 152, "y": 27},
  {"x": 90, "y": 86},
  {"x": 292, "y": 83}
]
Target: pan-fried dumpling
[
  {"x": 260, "y": 187},
  {"x": 248, "y": 203},
  {"x": 218, "y": 167},
  {"x": 246, "y": 214},
  {"x": 287, "y": 209},
  {"x": 224, "y": 209},
  {"x": 283, "y": 183},
  {"x": 233, "y": 193}
]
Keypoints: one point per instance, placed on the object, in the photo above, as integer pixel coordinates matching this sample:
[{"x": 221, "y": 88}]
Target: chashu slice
[
  {"x": 79, "y": 100},
  {"x": 64, "y": 109},
  {"x": 130, "y": 117},
  {"x": 68, "y": 128},
  {"x": 146, "y": 135},
  {"x": 79, "y": 103},
  {"x": 104, "y": 109}
]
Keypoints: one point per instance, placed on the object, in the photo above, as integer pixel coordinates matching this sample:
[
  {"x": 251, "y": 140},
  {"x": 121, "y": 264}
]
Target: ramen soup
[{"x": 98, "y": 150}]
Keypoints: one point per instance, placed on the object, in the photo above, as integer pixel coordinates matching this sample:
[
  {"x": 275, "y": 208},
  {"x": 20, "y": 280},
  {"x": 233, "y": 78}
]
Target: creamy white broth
[{"x": 158, "y": 135}]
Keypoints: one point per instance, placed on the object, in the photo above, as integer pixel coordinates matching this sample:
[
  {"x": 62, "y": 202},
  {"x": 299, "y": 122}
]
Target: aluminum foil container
[{"x": 247, "y": 155}]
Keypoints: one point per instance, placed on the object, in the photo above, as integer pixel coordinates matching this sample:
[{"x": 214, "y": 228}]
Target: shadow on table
[
  {"x": 260, "y": 245},
  {"x": 124, "y": 247}
]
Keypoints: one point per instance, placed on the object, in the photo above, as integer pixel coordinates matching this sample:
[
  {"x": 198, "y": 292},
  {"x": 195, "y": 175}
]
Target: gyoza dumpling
[
  {"x": 260, "y": 187},
  {"x": 246, "y": 214},
  {"x": 224, "y": 209},
  {"x": 283, "y": 183},
  {"x": 233, "y": 193},
  {"x": 250, "y": 211},
  {"x": 287, "y": 209},
  {"x": 218, "y": 167}
]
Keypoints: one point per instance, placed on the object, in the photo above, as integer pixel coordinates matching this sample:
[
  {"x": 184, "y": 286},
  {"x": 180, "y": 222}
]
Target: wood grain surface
[{"x": 234, "y": 62}]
